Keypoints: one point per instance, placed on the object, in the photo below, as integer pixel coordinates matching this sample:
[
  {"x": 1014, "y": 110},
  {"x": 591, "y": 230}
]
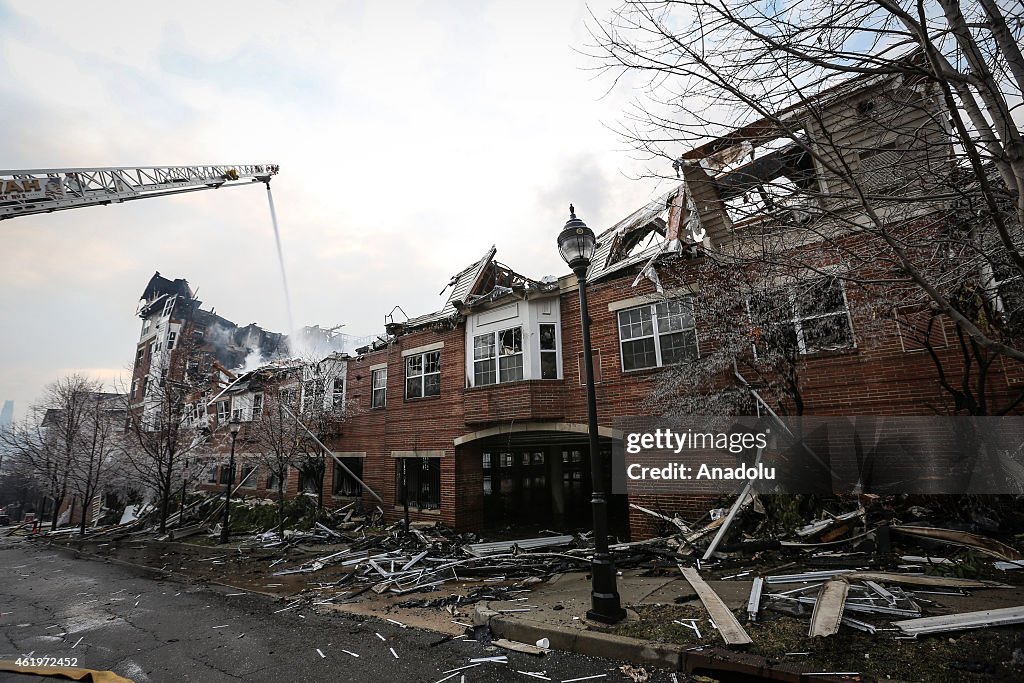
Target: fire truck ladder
[{"x": 23, "y": 193}]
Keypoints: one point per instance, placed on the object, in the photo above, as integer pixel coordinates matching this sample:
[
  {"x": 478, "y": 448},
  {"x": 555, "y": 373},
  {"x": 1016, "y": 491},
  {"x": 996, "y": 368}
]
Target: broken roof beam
[
  {"x": 710, "y": 209},
  {"x": 730, "y": 630}
]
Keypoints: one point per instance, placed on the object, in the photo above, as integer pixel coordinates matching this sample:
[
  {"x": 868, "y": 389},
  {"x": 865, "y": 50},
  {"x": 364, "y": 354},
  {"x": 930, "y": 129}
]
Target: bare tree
[
  {"x": 871, "y": 142},
  {"x": 55, "y": 439},
  {"x": 100, "y": 444},
  {"x": 274, "y": 432},
  {"x": 167, "y": 422}
]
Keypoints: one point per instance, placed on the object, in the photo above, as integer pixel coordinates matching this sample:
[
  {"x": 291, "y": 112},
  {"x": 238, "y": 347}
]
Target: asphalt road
[{"x": 114, "y": 618}]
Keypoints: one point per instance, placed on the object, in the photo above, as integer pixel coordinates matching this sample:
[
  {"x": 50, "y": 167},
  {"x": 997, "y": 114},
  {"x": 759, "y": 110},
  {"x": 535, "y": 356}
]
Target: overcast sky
[{"x": 411, "y": 136}]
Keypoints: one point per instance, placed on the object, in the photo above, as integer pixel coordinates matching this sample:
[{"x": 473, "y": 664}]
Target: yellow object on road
[{"x": 70, "y": 673}]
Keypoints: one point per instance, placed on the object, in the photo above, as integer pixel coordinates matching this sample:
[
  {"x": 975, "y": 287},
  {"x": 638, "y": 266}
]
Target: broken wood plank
[
  {"x": 828, "y": 610},
  {"x": 731, "y": 631}
]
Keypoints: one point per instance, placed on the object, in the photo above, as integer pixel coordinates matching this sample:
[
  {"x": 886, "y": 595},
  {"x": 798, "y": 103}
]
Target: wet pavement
[{"x": 111, "y": 617}]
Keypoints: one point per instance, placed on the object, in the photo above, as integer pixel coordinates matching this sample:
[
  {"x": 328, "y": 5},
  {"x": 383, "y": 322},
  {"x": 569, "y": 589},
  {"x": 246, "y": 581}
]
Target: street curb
[
  {"x": 709, "y": 660},
  {"x": 590, "y": 643}
]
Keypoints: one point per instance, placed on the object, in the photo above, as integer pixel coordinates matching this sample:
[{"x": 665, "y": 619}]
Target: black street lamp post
[
  {"x": 576, "y": 243},
  {"x": 225, "y": 532}
]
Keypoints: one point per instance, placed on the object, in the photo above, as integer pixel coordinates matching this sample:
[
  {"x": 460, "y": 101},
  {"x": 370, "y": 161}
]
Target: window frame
[
  {"x": 552, "y": 351},
  {"x": 497, "y": 356},
  {"x": 797, "y": 320},
  {"x": 657, "y": 334},
  {"x": 422, "y": 374},
  {"x": 383, "y": 388},
  {"x": 222, "y": 415}
]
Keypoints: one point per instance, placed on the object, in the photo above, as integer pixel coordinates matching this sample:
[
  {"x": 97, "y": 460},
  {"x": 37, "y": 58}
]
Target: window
[
  {"x": 658, "y": 334},
  {"x": 272, "y": 480},
  {"x": 257, "y": 406},
  {"x": 140, "y": 354},
  {"x": 422, "y": 482},
  {"x": 190, "y": 413},
  {"x": 171, "y": 337},
  {"x": 222, "y": 410},
  {"x": 225, "y": 473},
  {"x": 344, "y": 483},
  {"x": 308, "y": 481},
  {"x": 211, "y": 474},
  {"x": 135, "y": 389},
  {"x": 236, "y": 415},
  {"x": 379, "y": 382},
  {"x": 548, "y": 352},
  {"x": 288, "y": 397},
  {"x": 423, "y": 375},
  {"x": 248, "y": 478},
  {"x": 338, "y": 394},
  {"x": 313, "y": 394},
  {"x": 147, "y": 324},
  {"x": 168, "y": 307},
  {"x": 810, "y": 317},
  {"x": 498, "y": 357}
]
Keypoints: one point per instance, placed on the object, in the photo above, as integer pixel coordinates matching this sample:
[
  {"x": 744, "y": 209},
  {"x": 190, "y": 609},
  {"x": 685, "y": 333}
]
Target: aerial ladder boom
[{"x": 23, "y": 193}]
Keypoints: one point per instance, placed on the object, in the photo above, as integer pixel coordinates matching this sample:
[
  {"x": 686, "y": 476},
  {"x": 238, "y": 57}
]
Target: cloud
[{"x": 410, "y": 139}]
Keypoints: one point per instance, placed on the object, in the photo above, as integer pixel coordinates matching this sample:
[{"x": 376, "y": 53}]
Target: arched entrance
[{"x": 537, "y": 475}]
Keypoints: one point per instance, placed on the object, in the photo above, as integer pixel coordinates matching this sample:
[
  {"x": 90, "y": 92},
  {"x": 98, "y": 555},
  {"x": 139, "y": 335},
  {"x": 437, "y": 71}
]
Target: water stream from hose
[{"x": 280, "y": 260}]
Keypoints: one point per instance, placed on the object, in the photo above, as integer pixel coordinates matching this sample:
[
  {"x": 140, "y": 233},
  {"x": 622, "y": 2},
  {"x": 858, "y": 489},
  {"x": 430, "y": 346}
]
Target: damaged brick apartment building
[{"x": 475, "y": 415}]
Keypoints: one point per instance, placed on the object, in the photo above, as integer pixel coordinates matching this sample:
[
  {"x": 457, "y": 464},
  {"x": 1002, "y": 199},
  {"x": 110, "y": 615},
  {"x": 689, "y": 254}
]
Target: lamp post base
[
  {"x": 605, "y": 608},
  {"x": 605, "y": 605}
]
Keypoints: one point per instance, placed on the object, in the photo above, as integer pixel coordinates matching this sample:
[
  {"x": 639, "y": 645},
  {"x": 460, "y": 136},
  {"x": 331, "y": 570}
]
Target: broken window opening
[
  {"x": 344, "y": 484},
  {"x": 171, "y": 337},
  {"x": 338, "y": 394},
  {"x": 222, "y": 411},
  {"x": 656, "y": 335},
  {"x": 810, "y": 317},
  {"x": 257, "y": 406},
  {"x": 313, "y": 394},
  {"x": 423, "y": 375},
  {"x": 422, "y": 482},
  {"x": 498, "y": 357},
  {"x": 379, "y": 392}
]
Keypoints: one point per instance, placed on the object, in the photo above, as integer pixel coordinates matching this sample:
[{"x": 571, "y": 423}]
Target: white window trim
[
  {"x": 656, "y": 333},
  {"x": 383, "y": 369},
  {"x": 423, "y": 375},
  {"x": 496, "y": 346}
]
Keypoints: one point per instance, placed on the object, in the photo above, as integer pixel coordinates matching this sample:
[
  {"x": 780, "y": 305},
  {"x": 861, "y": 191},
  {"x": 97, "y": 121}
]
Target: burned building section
[{"x": 752, "y": 287}]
